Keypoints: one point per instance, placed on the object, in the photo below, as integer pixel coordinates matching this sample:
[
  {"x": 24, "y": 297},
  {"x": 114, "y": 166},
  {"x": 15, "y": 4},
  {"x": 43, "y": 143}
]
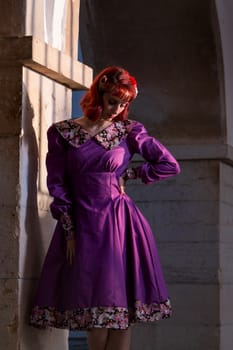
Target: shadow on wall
[{"x": 32, "y": 221}]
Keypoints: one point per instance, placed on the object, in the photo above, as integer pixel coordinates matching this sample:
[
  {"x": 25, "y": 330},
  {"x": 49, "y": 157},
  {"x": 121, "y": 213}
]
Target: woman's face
[{"x": 112, "y": 106}]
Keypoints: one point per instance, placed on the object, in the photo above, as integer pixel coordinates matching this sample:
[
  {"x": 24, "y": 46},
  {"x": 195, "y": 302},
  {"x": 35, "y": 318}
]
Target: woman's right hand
[{"x": 70, "y": 250}]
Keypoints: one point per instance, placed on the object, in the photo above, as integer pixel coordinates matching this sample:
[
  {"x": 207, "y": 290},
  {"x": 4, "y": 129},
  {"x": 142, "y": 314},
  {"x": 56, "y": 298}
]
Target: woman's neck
[{"x": 94, "y": 127}]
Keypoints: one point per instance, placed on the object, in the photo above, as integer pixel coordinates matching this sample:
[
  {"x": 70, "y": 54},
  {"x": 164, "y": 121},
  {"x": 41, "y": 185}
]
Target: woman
[{"x": 102, "y": 271}]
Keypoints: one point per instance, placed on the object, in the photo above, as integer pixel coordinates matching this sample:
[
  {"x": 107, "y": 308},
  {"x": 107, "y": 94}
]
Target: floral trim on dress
[
  {"x": 109, "y": 137},
  {"x": 99, "y": 317},
  {"x": 72, "y": 132},
  {"x": 67, "y": 225},
  {"x": 113, "y": 134}
]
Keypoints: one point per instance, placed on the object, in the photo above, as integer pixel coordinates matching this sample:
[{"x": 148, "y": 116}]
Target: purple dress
[{"x": 116, "y": 277}]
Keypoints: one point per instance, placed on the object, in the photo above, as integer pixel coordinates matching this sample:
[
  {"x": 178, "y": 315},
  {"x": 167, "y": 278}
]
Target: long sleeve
[
  {"x": 160, "y": 164},
  {"x": 61, "y": 206}
]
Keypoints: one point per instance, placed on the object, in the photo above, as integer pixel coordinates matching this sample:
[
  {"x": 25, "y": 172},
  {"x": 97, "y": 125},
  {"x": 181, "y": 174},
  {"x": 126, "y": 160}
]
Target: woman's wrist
[
  {"x": 67, "y": 225},
  {"x": 131, "y": 173}
]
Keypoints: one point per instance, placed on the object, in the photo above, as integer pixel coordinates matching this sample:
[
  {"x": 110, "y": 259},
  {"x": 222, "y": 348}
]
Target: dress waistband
[{"x": 97, "y": 185}]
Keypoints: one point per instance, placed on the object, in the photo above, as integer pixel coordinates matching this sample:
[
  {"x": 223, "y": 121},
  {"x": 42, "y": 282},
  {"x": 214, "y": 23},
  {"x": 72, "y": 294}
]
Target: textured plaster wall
[
  {"x": 225, "y": 15},
  {"x": 171, "y": 48},
  {"x": 25, "y": 222},
  {"x": 184, "y": 214},
  {"x": 226, "y": 255},
  {"x": 10, "y": 104},
  {"x": 29, "y": 103},
  {"x": 44, "y": 102},
  {"x": 54, "y": 22}
]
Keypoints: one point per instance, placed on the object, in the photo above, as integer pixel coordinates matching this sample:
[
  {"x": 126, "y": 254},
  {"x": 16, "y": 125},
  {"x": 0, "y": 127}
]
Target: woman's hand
[
  {"x": 122, "y": 184},
  {"x": 70, "y": 250},
  {"x": 130, "y": 173}
]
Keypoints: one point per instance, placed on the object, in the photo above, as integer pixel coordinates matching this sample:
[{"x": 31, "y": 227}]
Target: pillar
[
  {"x": 225, "y": 16},
  {"x": 38, "y": 70}
]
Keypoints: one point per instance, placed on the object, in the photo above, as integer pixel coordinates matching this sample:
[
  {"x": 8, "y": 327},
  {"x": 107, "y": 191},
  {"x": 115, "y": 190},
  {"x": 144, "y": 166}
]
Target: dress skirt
[{"x": 116, "y": 277}]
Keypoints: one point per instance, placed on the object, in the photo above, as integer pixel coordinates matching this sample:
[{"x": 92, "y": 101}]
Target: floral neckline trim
[{"x": 108, "y": 138}]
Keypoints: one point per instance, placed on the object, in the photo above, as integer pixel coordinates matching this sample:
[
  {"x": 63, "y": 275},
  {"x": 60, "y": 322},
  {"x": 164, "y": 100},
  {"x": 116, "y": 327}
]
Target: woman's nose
[{"x": 116, "y": 109}]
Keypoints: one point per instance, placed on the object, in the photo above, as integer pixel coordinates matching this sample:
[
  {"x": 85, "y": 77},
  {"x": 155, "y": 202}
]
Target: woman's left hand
[
  {"x": 122, "y": 184},
  {"x": 130, "y": 173},
  {"x": 70, "y": 250}
]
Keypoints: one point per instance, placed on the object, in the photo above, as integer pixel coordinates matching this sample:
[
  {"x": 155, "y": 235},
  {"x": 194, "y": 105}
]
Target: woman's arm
[
  {"x": 160, "y": 163},
  {"x": 57, "y": 182}
]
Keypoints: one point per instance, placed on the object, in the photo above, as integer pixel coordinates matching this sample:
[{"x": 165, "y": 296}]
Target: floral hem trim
[{"x": 99, "y": 317}]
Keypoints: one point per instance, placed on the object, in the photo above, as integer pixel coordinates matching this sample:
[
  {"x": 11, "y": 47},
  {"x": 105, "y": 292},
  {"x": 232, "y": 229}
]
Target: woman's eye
[{"x": 112, "y": 102}]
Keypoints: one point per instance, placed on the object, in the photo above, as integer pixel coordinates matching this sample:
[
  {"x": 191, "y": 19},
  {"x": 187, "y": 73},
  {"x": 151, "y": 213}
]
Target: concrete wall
[
  {"x": 225, "y": 15},
  {"x": 27, "y": 109},
  {"x": 55, "y": 23},
  {"x": 171, "y": 48},
  {"x": 184, "y": 214},
  {"x": 226, "y": 255},
  {"x": 10, "y": 80},
  {"x": 43, "y": 102}
]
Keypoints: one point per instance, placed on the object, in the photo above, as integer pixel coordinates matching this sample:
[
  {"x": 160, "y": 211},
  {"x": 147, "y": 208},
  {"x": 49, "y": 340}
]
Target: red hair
[{"x": 114, "y": 80}]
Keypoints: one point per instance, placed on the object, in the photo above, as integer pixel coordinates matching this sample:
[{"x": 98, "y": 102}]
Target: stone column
[
  {"x": 225, "y": 21},
  {"x": 38, "y": 70}
]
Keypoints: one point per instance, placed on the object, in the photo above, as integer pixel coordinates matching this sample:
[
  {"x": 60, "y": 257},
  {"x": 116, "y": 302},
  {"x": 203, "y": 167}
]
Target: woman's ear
[{"x": 102, "y": 83}]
